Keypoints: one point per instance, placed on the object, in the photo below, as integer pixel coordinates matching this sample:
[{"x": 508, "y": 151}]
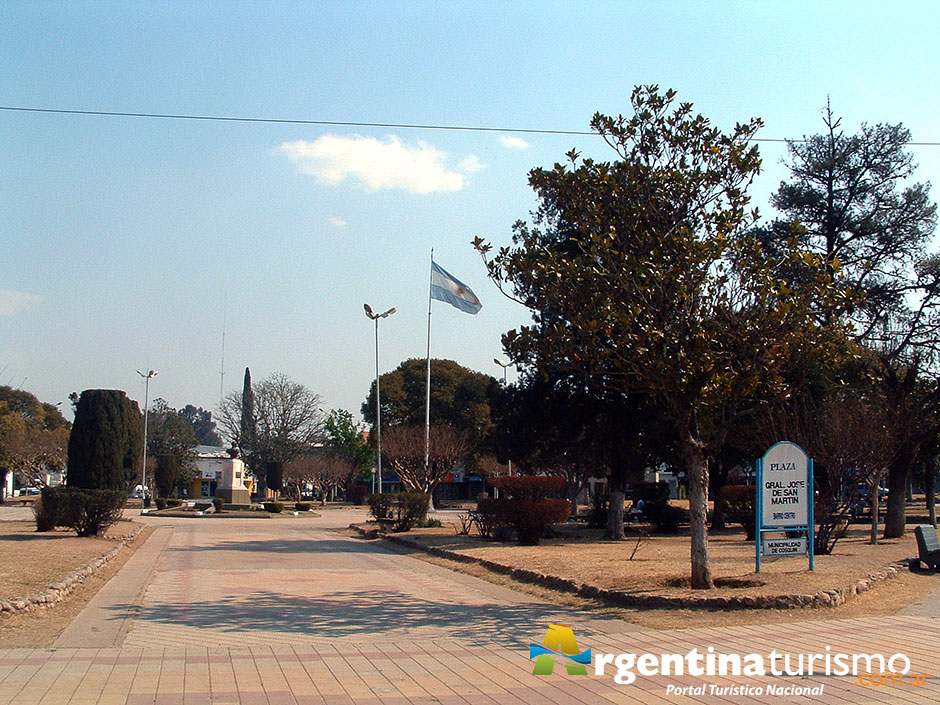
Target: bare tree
[
  {"x": 325, "y": 471},
  {"x": 288, "y": 420},
  {"x": 35, "y": 452},
  {"x": 403, "y": 449},
  {"x": 851, "y": 438}
]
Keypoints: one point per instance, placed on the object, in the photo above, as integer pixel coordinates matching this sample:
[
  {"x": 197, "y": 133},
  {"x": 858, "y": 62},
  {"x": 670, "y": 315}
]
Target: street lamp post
[
  {"x": 143, "y": 463},
  {"x": 505, "y": 366},
  {"x": 378, "y": 406}
]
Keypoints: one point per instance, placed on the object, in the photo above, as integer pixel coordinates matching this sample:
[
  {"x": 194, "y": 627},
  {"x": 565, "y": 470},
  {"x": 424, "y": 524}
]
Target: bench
[
  {"x": 928, "y": 547},
  {"x": 386, "y": 525}
]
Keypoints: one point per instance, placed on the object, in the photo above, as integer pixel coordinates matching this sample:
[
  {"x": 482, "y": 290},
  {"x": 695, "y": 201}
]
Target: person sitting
[{"x": 636, "y": 511}]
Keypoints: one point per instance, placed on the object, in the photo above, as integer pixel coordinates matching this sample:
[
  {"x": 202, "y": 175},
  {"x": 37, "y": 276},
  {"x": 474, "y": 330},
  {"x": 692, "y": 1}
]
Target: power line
[
  {"x": 346, "y": 123},
  {"x": 284, "y": 121}
]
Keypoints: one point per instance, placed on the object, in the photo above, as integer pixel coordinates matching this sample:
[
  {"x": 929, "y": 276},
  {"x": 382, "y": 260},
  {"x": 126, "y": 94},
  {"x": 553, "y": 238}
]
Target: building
[{"x": 219, "y": 472}]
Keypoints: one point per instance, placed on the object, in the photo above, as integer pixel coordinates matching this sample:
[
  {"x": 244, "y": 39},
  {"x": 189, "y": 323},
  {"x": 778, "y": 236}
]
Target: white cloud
[
  {"x": 387, "y": 164},
  {"x": 13, "y": 302},
  {"x": 471, "y": 164},
  {"x": 338, "y": 222},
  {"x": 513, "y": 142}
]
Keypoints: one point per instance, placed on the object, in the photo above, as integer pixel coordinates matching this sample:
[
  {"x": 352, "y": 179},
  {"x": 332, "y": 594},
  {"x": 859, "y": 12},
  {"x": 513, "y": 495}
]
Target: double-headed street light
[
  {"x": 143, "y": 463},
  {"x": 378, "y": 406},
  {"x": 505, "y": 366}
]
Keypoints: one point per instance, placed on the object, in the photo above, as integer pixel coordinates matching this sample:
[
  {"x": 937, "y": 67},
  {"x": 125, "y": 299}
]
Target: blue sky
[{"x": 124, "y": 240}]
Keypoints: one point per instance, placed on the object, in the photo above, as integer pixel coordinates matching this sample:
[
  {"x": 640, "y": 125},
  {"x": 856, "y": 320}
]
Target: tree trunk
[
  {"x": 875, "y": 508},
  {"x": 430, "y": 508},
  {"x": 615, "y": 515},
  {"x": 930, "y": 488},
  {"x": 573, "y": 490},
  {"x": 696, "y": 467},
  {"x": 899, "y": 474}
]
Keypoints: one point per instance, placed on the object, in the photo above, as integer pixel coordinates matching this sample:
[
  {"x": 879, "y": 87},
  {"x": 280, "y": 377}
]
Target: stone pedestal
[{"x": 234, "y": 497}]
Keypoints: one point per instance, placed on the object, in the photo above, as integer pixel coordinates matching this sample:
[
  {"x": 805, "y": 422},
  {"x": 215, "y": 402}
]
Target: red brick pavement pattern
[
  {"x": 448, "y": 671},
  {"x": 261, "y": 612}
]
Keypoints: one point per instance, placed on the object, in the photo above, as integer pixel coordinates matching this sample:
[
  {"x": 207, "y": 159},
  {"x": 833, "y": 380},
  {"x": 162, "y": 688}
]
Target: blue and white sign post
[{"x": 784, "y": 502}]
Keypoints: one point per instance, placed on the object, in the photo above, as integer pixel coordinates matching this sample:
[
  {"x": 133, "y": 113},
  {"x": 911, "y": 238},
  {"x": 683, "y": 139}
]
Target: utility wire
[{"x": 343, "y": 123}]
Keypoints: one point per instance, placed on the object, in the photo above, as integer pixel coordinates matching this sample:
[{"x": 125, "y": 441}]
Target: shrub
[
  {"x": 174, "y": 502},
  {"x": 218, "y": 503},
  {"x": 410, "y": 508},
  {"x": 161, "y": 503},
  {"x": 87, "y": 512},
  {"x": 656, "y": 508},
  {"x": 528, "y": 486},
  {"x": 380, "y": 505},
  {"x": 665, "y": 517},
  {"x": 529, "y": 517},
  {"x": 45, "y": 516},
  {"x": 429, "y": 524},
  {"x": 651, "y": 492},
  {"x": 303, "y": 506},
  {"x": 274, "y": 507},
  {"x": 356, "y": 493},
  {"x": 739, "y": 507},
  {"x": 488, "y": 517}
]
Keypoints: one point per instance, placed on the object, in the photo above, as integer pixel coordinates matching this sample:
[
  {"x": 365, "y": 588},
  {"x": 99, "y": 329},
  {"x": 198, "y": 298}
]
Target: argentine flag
[{"x": 444, "y": 287}]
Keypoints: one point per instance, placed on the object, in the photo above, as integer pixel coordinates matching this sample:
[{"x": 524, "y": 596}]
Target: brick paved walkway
[{"x": 289, "y": 611}]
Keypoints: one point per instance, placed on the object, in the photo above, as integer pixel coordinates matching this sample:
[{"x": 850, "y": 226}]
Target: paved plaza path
[{"x": 291, "y": 610}]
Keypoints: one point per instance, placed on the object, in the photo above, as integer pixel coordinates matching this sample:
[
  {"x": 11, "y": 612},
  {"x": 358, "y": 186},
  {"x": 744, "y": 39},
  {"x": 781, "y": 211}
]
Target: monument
[{"x": 231, "y": 474}]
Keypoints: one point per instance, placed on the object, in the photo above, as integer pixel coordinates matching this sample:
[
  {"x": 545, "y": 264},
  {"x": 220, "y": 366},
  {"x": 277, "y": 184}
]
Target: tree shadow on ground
[
  {"x": 300, "y": 546},
  {"x": 380, "y": 614}
]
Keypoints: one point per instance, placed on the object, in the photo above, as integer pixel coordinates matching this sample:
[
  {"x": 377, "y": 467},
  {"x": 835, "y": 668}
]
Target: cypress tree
[
  {"x": 248, "y": 434},
  {"x": 275, "y": 475},
  {"x": 106, "y": 441}
]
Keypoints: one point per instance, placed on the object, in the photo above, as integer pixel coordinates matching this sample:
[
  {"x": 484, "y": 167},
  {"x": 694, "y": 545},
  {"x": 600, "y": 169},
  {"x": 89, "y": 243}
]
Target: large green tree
[
  {"x": 203, "y": 425},
  {"x": 171, "y": 440},
  {"x": 106, "y": 442},
  {"x": 346, "y": 440},
  {"x": 640, "y": 271},
  {"x": 856, "y": 206},
  {"x": 460, "y": 397},
  {"x": 562, "y": 426}
]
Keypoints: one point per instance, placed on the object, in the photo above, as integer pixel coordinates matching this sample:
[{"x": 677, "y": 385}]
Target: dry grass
[
  {"x": 661, "y": 564},
  {"x": 883, "y": 599},
  {"x": 40, "y": 628},
  {"x": 32, "y": 560}
]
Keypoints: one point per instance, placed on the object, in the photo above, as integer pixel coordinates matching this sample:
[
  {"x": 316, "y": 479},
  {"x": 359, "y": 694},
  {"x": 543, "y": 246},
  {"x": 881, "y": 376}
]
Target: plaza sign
[
  {"x": 784, "y": 502},
  {"x": 785, "y": 486}
]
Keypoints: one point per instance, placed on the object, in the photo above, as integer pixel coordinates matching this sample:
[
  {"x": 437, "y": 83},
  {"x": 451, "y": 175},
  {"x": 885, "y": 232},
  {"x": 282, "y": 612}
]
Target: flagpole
[{"x": 427, "y": 402}]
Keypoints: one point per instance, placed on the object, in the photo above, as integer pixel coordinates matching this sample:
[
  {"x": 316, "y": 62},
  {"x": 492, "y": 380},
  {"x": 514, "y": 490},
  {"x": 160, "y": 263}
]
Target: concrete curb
[
  {"x": 59, "y": 590},
  {"x": 823, "y": 598}
]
